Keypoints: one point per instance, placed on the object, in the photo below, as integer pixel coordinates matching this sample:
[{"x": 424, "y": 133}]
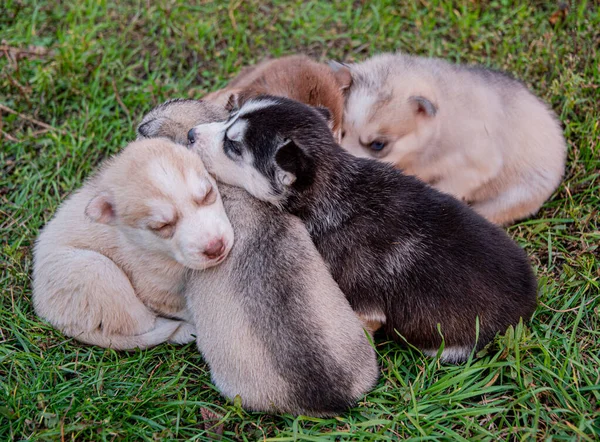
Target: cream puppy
[
  {"x": 476, "y": 134},
  {"x": 109, "y": 268}
]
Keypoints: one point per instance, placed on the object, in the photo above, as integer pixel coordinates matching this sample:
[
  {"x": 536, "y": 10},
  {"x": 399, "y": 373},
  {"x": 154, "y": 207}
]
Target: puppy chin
[{"x": 202, "y": 265}]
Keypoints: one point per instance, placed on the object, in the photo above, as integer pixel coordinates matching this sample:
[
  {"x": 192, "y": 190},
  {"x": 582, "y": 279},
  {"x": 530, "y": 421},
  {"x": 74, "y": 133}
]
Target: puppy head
[
  {"x": 162, "y": 200},
  {"x": 269, "y": 146},
  {"x": 297, "y": 77},
  {"x": 174, "y": 118},
  {"x": 390, "y": 110}
]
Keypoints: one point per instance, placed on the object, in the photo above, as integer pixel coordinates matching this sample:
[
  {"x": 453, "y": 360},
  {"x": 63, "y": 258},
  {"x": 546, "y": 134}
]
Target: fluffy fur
[
  {"x": 114, "y": 256},
  {"x": 404, "y": 254},
  {"x": 271, "y": 322},
  {"x": 296, "y": 76},
  {"x": 473, "y": 133}
]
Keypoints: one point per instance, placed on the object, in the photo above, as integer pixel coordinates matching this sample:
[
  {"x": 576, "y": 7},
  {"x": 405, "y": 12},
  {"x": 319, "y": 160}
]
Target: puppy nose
[
  {"x": 191, "y": 138},
  {"x": 214, "y": 249}
]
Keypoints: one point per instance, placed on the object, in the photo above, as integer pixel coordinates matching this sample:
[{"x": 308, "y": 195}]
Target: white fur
[
  {"x": 358, "y": 103},
  {"x": 165, "y": 177},
  {"x": 253, "y": 106},
  {"x": 239, "y": 172},
  {"x": 450, "y": 354},
  {"x": 199, "y": 186},
  {"x": 236, "y": 131}
]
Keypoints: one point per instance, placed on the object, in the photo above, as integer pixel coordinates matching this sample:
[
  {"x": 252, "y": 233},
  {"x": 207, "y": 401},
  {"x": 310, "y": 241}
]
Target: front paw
[{"x": 185, "y": 334}]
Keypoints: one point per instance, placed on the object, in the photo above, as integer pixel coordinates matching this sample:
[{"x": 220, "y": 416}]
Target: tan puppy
[
  {"x": 474, "y": 133},
  {"x": 116, "y": 253},
  {"x": 296, "y": 76}
]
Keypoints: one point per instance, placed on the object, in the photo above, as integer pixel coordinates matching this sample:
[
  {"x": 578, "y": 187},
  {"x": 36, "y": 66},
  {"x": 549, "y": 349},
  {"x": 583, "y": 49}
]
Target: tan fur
[
  {"x": 296, "y": 76},
  {"x": 489, "y": 142},
  {"x": 100, "y": 275}
]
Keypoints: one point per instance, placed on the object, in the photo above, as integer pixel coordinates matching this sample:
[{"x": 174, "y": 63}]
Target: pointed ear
[
  {"x": 101, "y": 209},
  {"x": 149, "y": 129},
  {"x": 325, "y": 113},
  {"x": 423, "y": 106},
  {"x": 296, "y": 165},
  {"x": 342, "y": 74},
  {"x": 232, "y": 102}
]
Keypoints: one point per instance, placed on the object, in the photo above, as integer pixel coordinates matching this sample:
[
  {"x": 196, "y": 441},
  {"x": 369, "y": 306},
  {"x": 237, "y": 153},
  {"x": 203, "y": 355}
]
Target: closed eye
[
  {"x": 231, "y": 148},
  {"x": 163, "y": 229},
  {"x": 209, "y": 198}
]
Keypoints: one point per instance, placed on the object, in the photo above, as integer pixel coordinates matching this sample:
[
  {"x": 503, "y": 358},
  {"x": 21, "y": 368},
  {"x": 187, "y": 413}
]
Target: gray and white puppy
[
  {"x": 405, "y": 255},
  {"x": 271, "y": 322},
  {"x": 471, "y": 132}
]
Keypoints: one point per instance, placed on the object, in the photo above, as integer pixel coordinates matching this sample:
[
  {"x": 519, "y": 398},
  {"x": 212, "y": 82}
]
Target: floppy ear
[
  {"x": 422, "y": 105},
  {"x": 296, "y": 166},
  {"x": 325, "y": 113},
  {"x": 342, "y": 74},
  {"x": 101, "y": 209}
]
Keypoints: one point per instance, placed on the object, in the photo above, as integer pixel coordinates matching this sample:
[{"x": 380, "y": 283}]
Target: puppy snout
[
  {"x": 214, "y": 249},
  {"x": 191, "y": 137}
]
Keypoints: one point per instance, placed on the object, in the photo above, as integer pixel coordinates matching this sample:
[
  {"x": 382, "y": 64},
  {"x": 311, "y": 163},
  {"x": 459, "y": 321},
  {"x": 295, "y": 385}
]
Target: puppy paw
[{"x": 185, "y": 334}]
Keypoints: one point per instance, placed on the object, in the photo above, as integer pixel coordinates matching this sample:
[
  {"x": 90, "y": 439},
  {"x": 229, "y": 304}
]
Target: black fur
[{"x": 393, "y": 243}]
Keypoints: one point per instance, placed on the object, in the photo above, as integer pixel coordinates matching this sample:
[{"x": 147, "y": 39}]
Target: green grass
[{"x": 98, "y": 67}]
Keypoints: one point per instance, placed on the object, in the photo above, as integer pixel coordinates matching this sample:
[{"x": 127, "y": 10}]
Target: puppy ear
[
  {"x": 150, "y": 128},
  {"x": 233, "y": 102},
  {"x": 342, "y": 74},
  {"x": 101, "y": 209},
  {"x": 296, "y": 165},
  {"x": 325, "y": 113},
  {"x": 285, "y": 178},
  {"x": 422, "y": 105}
]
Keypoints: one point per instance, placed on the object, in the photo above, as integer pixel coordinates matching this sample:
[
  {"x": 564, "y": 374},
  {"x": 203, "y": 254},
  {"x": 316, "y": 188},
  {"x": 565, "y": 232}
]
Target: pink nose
[{"x": 214, "y": 249}]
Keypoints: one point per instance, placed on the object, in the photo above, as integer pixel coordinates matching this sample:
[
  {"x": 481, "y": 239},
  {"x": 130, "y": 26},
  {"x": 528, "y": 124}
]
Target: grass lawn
[{"x": 75, "y": 80}]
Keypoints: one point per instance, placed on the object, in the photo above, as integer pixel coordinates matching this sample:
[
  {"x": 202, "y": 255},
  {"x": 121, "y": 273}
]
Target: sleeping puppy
[
  {"x": 404, "y": 254},
  {"x": 271, "y": 322},
  {"x": 114, "y": 256},
  {"x": 296, "y": 76},
  {"x": 471, "y": 132}
]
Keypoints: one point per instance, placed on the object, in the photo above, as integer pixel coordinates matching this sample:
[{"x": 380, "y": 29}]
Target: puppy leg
[
  {"x": 451, "y": 355},
  {"x": 185, "y": 334},
  {"x": 88, "y": 297},
  {"x": 516, "y": 203},
  {"x": 462, "y": 184},
  {"x": 461, "y": 174},
  {"x": 372, "y": 321}
]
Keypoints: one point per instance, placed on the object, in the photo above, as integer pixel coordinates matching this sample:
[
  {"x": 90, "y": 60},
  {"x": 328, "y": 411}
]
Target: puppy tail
[{"x": 163, "y": 330}]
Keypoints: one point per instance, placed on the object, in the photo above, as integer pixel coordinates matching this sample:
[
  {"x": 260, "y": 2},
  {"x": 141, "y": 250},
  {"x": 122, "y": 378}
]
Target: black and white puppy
[{"x": 405, "y": 255}]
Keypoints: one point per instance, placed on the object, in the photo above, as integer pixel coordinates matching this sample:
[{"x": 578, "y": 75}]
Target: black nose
[{"x": 191, "y": 138}]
